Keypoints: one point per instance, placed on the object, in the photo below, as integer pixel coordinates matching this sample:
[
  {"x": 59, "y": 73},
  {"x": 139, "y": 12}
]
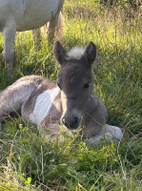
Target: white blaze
[{"x": 43, "y": 104}]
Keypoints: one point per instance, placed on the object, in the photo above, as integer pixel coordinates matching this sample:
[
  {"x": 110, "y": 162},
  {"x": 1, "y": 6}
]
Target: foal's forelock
[{"x": 75, "y": 53}]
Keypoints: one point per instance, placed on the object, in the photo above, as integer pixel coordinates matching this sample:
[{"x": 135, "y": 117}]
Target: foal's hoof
[{"x": 113, "y": 133}]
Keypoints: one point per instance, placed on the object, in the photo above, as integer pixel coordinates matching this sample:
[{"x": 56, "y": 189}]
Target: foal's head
[{"x": 75, "y": 79}]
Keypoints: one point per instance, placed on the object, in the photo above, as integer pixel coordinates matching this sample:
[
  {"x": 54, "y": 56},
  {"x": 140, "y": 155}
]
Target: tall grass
[{"x": 27, "y": 161}]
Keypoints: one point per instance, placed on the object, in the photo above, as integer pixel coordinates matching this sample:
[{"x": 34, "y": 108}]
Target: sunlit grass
[{"x": 27, "y": 161}]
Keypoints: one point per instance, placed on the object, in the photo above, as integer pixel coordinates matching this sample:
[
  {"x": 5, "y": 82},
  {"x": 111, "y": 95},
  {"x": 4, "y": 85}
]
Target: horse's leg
[
  {"x": 51, "y": 30},
  {"x": 9, "y": 32},
  {"x": 36, "y": 37},
  {"x": 53, "y": 25},
  {"x": 44, "y": 30},
  {"x": 53, "y": 22},
  {"x": 60, "y": 26}
]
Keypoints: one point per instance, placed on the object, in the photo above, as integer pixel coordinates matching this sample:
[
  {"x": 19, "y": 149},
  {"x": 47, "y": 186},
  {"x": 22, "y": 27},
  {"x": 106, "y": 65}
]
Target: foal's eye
[{"x": 86, "y": 85}]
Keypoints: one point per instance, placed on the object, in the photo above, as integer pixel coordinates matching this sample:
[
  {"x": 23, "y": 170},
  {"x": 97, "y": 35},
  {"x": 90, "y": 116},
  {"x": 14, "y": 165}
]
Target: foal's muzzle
[{"x": 72, "y": 123}]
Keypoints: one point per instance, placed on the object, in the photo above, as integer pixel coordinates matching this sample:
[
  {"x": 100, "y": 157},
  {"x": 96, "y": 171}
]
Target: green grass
[{"x": 28, "y": 161}]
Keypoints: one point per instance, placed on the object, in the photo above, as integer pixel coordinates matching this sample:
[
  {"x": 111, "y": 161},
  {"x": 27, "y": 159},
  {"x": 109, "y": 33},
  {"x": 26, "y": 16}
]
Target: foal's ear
[
  {"x": 90, "y": 53},
  {"x": 59, "y": 52}
]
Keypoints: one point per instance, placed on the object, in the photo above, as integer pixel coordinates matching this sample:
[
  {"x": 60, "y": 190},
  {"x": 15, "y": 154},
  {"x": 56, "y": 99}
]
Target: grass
[{"x": 28, "y": 161}]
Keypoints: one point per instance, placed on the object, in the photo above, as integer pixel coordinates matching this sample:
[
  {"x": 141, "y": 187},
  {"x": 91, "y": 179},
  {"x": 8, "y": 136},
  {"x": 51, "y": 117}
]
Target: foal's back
[{"x": 28, "y": 87}]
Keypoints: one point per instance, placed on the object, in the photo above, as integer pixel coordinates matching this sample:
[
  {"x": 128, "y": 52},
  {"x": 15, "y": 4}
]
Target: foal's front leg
[
  {"x": 9, "y": 33},
  {"x": 112, "y": 133},
  {"x": 108, "y": 132},
  {"x": 96, "y": 127},
  {"x": 53, "y": 131},
  {"x": 14, "y": 96}
]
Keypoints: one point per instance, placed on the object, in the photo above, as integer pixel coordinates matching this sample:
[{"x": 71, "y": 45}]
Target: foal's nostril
[
  {"x": 75, "y": 120},
  {"x": 71, "y": 123}
]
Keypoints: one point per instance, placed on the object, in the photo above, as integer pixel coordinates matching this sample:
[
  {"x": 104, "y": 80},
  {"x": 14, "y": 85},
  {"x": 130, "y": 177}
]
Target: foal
[{"x": 71, "y": 102}]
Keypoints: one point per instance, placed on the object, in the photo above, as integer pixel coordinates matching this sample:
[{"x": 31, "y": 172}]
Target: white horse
[{"x": 23, "y": 15}]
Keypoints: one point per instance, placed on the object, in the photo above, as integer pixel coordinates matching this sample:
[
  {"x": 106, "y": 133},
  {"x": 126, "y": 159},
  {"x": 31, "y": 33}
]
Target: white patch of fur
[
  {"x": 113, "y": 133},
  {"x": 75, "y": 53},
  {"x": 43, "y": 104},
  {"x": 14, "y": 96}
]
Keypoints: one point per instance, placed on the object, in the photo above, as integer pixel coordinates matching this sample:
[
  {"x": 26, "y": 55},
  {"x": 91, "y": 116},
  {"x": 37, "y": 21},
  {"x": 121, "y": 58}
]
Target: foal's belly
[{"x": 37, "y": 13}]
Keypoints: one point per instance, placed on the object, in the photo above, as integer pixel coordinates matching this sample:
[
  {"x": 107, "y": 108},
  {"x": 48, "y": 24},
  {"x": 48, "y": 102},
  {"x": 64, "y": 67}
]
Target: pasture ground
[{"x": 30, "y": 163}]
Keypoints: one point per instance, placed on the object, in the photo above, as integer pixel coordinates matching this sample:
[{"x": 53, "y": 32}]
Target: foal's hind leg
[{"x": 12, "y": 98}]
